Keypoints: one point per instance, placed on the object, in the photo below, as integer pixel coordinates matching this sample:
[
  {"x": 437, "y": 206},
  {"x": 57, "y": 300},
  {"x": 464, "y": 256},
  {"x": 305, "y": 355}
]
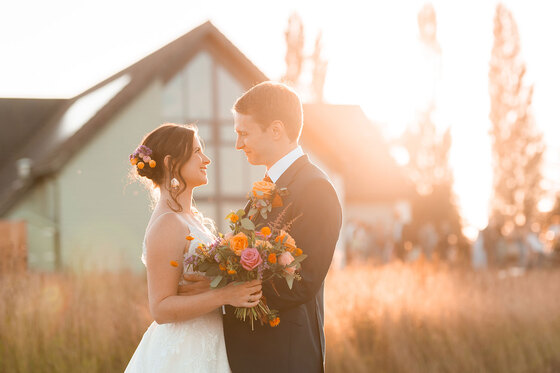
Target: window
[
  {"x": 234, "y": 171},
  {"x": 229, "y": 91},
  {"x": 197, "y": 81},
  {"x": 172, "y": 99},
  {"x": 193, "y": 96}
]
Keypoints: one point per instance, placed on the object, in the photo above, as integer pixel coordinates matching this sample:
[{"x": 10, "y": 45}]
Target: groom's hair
[{"x": 270, "y": 101}]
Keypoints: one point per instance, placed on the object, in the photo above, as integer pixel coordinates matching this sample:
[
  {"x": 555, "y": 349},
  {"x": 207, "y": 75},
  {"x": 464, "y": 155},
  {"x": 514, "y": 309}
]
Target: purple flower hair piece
[{"x": 141, "y": 152}]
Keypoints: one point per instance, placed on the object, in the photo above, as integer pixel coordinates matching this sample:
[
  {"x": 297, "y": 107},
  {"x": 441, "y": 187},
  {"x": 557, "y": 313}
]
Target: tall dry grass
[
  {"x": 71, "y": 323},
  {"x": 396, "y": 318},
  {"x": 419, "y": 318}
]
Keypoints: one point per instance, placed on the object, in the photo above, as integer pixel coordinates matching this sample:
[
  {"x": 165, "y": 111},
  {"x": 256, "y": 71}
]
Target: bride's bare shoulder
[{"x": 168, "y": 229}]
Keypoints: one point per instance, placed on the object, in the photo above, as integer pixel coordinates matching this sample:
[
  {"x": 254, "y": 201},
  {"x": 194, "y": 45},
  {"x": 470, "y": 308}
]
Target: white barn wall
[{"x": 103, "y": 216}]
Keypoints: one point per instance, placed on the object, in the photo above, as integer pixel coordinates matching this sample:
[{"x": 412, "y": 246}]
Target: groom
[{"x": 268, "y": 121}]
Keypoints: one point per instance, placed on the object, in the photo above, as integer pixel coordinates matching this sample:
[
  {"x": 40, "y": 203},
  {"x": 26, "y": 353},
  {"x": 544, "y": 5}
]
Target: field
[{"x": 396, "y": 318}]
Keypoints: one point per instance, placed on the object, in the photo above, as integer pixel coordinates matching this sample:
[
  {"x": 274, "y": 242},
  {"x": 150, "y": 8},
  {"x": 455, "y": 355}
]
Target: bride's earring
[{"x": 174, "y": 183}]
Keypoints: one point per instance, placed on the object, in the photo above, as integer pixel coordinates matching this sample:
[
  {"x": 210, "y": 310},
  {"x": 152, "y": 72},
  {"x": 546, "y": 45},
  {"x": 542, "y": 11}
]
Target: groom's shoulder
[
  {"x": 314, "y": 185},
  {"x": 312, "y": 175}
]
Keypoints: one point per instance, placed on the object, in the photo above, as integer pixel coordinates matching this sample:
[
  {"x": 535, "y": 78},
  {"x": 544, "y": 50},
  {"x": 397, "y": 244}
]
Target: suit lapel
[{"x": 283, "y": 182}]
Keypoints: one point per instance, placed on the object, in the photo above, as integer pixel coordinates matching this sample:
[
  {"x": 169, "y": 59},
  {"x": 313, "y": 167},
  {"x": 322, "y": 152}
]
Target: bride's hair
[{"x": 175, "y": 140}]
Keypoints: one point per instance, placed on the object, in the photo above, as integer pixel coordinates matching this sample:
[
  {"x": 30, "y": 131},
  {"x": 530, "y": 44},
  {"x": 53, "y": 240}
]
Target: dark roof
[
  {"x": 20, "y": 118},
  {"x": 48, "y": 144},
  {"x": 348, "y": 142}
]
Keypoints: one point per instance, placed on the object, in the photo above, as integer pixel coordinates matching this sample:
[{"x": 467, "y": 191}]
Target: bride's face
[{"x": 194, "y": 171}]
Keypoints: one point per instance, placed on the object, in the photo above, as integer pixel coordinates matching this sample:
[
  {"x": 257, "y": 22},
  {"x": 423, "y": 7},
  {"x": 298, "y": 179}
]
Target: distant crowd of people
[
  {"x": 522, "y": 246},
  {"x": 384, "y": 241}
]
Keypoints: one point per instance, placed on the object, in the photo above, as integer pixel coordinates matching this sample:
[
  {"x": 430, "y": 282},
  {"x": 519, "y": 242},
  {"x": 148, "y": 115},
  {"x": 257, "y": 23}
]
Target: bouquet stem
[{"x": 260, "y": 312}]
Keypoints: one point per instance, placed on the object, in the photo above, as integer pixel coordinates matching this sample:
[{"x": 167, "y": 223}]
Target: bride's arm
[{"x": 164, "y": 243}]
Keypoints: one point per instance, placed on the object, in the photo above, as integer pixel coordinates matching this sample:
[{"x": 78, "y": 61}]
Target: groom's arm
[
  {"x": 316, "y": 233},
  {"x": 197, "y": 284}
]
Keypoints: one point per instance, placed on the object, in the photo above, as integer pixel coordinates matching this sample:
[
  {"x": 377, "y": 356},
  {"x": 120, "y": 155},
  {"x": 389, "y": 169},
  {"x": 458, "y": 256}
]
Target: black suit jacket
[{"x": 297, "y": 344}]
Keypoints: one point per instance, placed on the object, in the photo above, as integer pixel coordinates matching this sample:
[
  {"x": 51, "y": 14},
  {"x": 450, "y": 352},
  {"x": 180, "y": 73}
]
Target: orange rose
[
  {"x": 264, "y": 187},
  {"x": 265, "y": 231},
  {"x": 274, "y": 322},
  {"x": 222, "y": 267},
  {"x": 174, "y": 263},
  {"x": 298, "y": 252},
  {"x": 272, "y": 258},
  {"x": 287, "y": 239},
  {"x": 238, "y": 243},
  {"x": 231, "y": 271}
]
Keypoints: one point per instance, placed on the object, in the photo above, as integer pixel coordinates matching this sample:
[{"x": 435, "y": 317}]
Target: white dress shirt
[{"x": 283, "y": 164}]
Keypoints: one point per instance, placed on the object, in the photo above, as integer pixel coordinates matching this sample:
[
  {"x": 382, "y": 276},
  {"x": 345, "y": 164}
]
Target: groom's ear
[{"x": 278, "y": 129}]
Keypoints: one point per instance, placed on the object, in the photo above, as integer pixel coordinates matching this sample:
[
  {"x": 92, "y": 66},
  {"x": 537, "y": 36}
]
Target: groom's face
[{"x": 251, "y": 138}]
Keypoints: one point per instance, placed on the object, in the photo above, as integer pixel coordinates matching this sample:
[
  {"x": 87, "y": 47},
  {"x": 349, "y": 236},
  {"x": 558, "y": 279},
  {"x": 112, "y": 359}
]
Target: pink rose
[
  {"x": 250, "y": 258},
  {"x": 285, "y": 259}
]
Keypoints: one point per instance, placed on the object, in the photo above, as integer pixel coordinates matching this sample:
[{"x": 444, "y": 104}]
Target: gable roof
[
  {"x": 345, "y": 139},
  {"x": 49, "y": 132}
]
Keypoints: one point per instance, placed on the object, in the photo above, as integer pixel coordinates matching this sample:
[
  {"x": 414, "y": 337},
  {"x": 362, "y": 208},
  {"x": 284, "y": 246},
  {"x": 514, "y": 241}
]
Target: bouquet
[{"x": 247, "y": 253}]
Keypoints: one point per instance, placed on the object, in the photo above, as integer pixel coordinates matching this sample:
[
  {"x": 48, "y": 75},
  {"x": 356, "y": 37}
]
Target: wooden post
[{"x": 13, "y": 247}]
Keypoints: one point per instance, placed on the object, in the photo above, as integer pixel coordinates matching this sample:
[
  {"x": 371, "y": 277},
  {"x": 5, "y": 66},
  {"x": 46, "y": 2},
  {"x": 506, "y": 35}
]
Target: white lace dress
[{"x": 195, "y": 345}]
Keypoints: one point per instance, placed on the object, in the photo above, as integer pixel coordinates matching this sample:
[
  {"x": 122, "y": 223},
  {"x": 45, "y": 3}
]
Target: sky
[{"x": 60, "y": 48}]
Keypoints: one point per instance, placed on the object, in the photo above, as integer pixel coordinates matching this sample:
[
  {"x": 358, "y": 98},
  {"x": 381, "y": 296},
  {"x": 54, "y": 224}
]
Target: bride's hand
[
  {"x": 247, "y": 294},
  {"x": 197, "y": 284}
]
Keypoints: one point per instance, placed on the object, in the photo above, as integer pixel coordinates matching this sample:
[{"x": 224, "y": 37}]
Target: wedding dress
[{"x": 195, "y": 345}]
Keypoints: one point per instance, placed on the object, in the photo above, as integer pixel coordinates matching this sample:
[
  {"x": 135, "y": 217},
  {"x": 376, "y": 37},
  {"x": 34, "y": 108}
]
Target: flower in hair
[{"x": 141, "y": 157}]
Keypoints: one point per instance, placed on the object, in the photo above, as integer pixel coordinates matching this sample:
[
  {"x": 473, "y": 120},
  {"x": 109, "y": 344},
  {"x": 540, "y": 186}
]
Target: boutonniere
[{"x": 264, "y": 197}]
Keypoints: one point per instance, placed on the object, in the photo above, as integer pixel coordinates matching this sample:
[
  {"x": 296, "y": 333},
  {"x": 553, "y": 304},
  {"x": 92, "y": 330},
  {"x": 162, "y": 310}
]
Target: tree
[
  {"x": 428, "y": 153},
  {"x": 429, "y": 169},
  {"x": 319, "y": 70},
  {"x": 294, "y": 35},
  {"x": 517, "y": 145},
  {"x": 306, "y": 73}
]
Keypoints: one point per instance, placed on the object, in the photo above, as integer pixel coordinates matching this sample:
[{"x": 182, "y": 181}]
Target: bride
[{"x": 187, "y": 334}]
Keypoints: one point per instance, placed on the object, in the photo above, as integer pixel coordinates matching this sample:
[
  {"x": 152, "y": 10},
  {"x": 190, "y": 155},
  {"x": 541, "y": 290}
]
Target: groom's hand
[{"x": 197, "y": 284}]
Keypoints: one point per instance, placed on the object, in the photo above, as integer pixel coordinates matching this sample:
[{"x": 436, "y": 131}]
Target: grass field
[{"x": 397, "y": 318}]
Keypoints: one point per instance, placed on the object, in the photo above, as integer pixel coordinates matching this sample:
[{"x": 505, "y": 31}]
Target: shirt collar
[{"x": 283, "y": 164}]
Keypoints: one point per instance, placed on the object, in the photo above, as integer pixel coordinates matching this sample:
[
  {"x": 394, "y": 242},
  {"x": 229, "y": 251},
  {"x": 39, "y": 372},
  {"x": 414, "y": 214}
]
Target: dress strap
[{"x": 165, "y": 213}]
